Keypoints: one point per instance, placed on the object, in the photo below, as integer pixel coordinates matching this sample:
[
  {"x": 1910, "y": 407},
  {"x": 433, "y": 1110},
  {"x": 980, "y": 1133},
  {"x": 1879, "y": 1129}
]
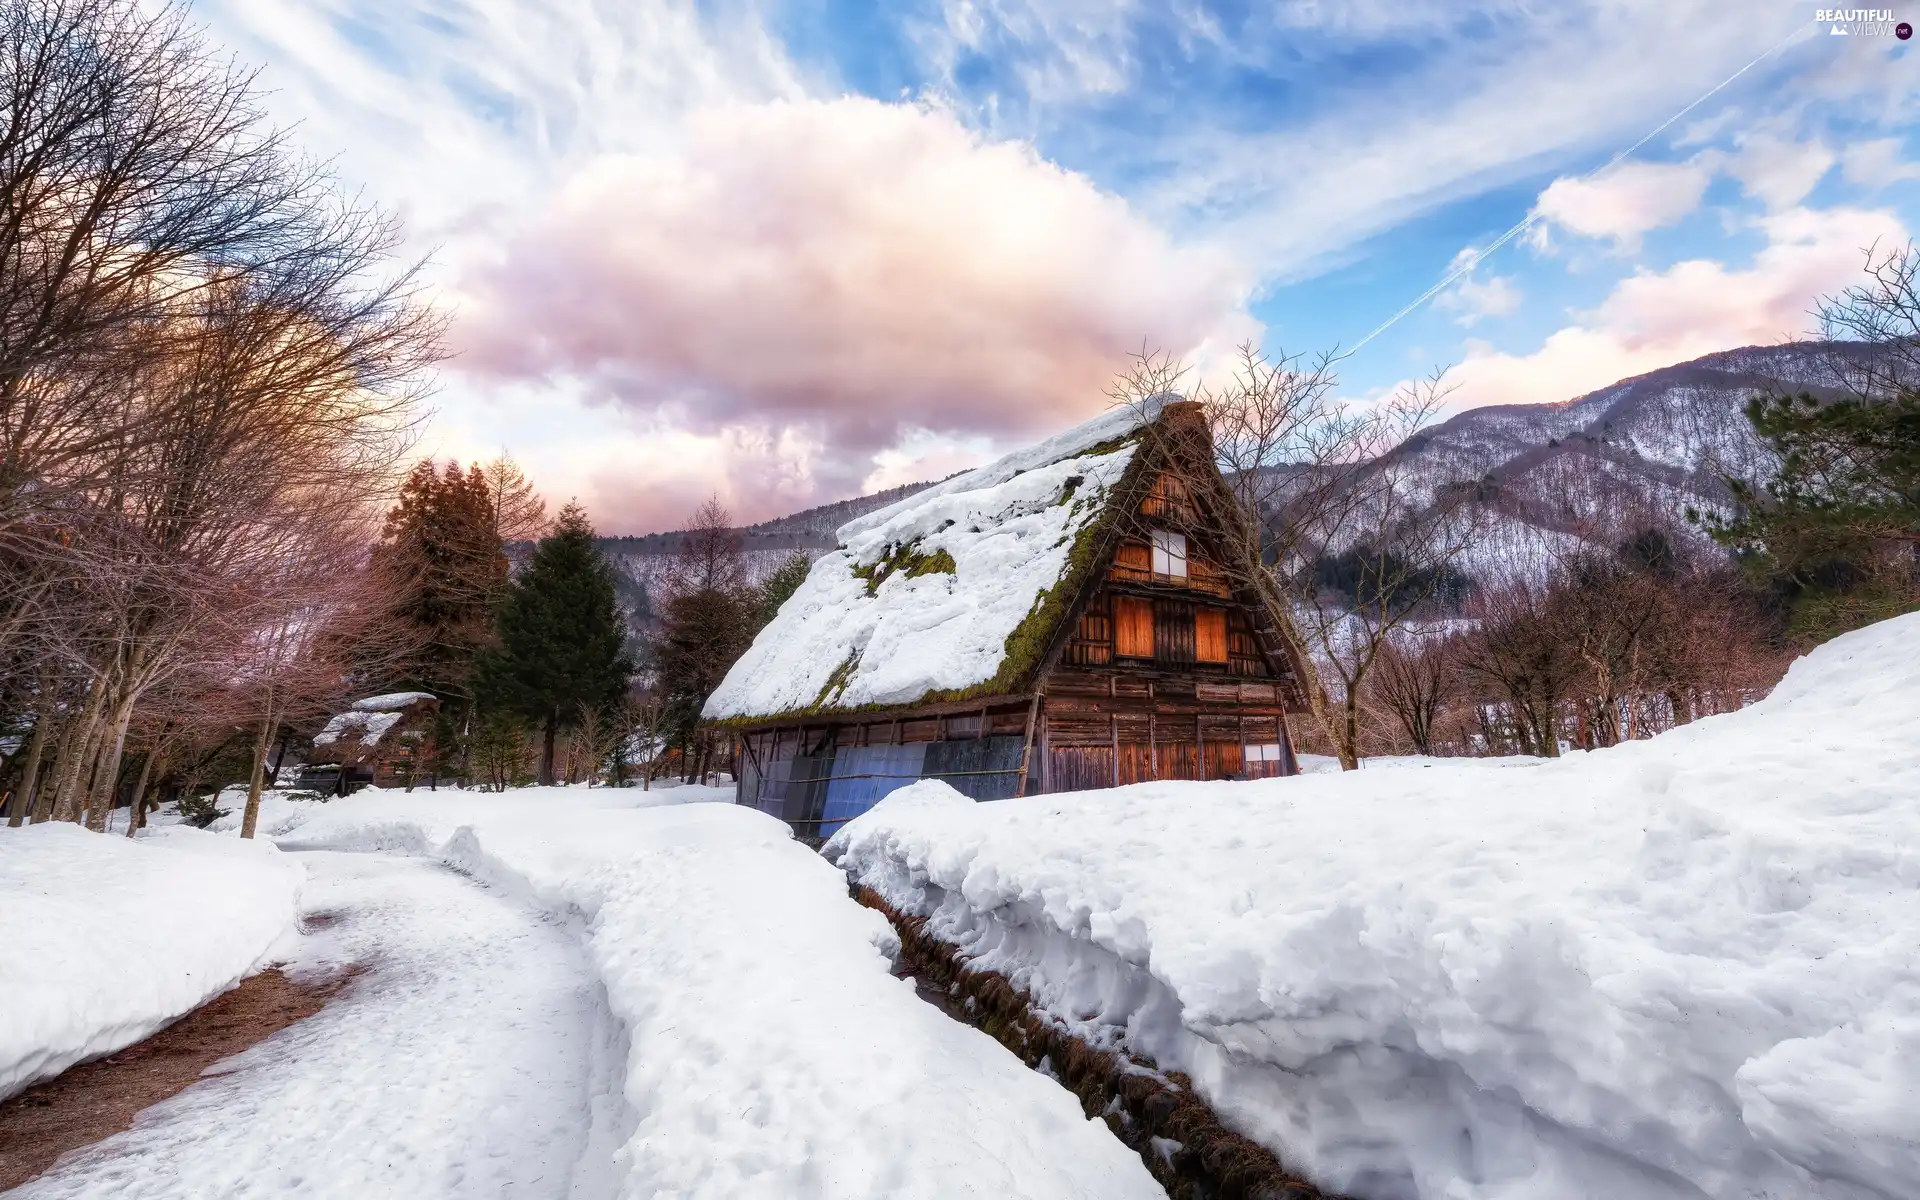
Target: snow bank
[
  {"x": 769, "y": 1052},
  {"x": 1678, "y": 968},
  {"x": 104, "y": 940}
]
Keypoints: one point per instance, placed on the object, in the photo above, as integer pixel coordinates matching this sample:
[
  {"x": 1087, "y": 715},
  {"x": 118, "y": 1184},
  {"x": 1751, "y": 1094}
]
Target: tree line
[
  {"x": 213, "y": 532},
  {"x": 210, "y": 362}
]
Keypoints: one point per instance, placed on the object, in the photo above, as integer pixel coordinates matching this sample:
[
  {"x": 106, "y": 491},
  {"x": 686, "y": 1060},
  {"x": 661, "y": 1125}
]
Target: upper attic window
[{"x": 1170, "y": 554}]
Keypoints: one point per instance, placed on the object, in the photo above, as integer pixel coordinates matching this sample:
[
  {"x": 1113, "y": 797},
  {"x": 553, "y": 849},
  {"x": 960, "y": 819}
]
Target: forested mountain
[
  {"x": 1647, "y": 447},
  {"x": 1654, "y": 444}
]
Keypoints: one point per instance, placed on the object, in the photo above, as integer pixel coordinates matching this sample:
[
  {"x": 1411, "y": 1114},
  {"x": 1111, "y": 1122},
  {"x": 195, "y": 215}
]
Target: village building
[
  {"x": 1076, "y": 615},
  {"x": 381, "y": 740}
]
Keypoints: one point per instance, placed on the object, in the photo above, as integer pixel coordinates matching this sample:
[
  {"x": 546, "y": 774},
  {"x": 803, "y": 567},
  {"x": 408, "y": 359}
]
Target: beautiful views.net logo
[{"x": 1863, "y": 22}]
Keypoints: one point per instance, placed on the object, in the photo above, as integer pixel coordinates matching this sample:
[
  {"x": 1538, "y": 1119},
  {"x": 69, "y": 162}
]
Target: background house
[{"x": 381, "y": 740}]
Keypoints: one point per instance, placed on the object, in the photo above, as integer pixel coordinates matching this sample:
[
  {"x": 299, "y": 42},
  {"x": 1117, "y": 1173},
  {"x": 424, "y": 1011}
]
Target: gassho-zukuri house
[{"x": 1072, "y": 616}]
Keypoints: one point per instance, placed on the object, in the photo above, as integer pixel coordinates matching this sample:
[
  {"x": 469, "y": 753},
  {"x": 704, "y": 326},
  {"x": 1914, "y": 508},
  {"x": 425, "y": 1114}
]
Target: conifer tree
[
  {"x": 561, "y": 637},
  {"x": 1838, "y": 526},
  {"x": 443, "y": 555}
]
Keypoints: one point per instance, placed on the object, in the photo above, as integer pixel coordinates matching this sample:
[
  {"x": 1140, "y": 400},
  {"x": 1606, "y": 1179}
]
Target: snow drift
[
  {"x": 1678, "y": 968},
  {"x": 769, "y": 1051},
  {"x": 104, "y": 940}
]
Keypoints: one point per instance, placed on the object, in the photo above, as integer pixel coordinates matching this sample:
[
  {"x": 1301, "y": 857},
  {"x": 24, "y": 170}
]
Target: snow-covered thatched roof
[
  {"x": 362, "y": 726},
  {"x": 952, "y": 591},
  {"x": 392, "y": 701}
]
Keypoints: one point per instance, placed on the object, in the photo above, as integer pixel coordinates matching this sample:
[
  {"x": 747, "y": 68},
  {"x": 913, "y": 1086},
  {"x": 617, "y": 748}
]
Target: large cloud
[
  {"x": 1655, "y": 318},
  {"x": 849, "y": 268},
  {"x": 1627, "y": 201}
]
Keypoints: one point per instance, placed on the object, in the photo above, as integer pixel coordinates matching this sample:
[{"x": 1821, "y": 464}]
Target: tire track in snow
[{"x": 469, "y": 1060}]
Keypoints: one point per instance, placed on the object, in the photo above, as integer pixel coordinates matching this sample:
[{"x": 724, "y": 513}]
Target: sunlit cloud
[{"x": 851, "y": 267}]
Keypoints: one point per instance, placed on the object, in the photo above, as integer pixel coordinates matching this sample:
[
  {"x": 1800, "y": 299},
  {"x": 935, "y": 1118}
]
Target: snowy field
[
  {"x": 766, "y": 1050},
  {"x": 103, "y": 940},
  {"x": 599, "y": 992},
  {"x": 1678, "y": 968}
]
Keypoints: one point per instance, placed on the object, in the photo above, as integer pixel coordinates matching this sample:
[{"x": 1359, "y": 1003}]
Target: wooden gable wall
[{"x": 1162, "y": 674}]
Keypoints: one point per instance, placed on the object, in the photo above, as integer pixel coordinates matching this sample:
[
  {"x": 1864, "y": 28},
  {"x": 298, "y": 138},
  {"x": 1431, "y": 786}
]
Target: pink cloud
[
  {"x": 1627, "y": 201},
  {"x": 1653, "y": 319},
  {"x": 849, "y": 269}
]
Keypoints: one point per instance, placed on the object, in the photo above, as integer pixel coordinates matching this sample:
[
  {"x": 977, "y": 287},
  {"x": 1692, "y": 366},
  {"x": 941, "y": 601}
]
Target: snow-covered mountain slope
[{"x": 1646, "y": 447}]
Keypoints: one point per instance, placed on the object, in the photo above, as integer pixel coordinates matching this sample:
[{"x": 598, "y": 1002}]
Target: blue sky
[{"x": 783, "y": 253}]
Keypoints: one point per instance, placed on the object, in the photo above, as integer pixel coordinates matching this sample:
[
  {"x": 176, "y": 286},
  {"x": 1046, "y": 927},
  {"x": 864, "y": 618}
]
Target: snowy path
[{"x": 460, "y": 1064}]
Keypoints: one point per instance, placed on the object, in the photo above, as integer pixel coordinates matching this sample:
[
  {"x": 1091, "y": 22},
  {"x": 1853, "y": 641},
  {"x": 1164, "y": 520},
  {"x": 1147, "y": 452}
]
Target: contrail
[{"x": 1533, "y": 218}]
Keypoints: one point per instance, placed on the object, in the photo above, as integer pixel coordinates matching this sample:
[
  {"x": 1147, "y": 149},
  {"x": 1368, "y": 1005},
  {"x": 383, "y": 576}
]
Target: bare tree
[
  {"x": 1319, "y": 480},
  {"x": 1876, "y": 324},
  {"x": 1416, "y": 682},
  {"x": 597, "y": 735},
  {"x": 132, "y": 157},
  {"x": 519, "y": 514},
  {"x": 1519, "y": 667}
]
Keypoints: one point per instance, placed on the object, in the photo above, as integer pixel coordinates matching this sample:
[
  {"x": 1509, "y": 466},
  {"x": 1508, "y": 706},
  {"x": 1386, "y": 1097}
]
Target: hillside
[
  {"x": 1651, "y": 445},
  {"x": 1551, "y": 474}
]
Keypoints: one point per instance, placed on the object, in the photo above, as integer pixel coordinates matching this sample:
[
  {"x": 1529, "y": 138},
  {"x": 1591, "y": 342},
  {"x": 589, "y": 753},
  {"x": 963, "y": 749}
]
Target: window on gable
[
  {"x": 1169, "y": 554},
  {"x": 1132, "y": 627}
]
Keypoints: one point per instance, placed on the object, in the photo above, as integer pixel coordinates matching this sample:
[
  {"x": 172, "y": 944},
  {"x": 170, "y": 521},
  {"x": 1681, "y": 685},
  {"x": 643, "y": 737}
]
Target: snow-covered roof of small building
[
  {"x": 371, "y": 726},
  {"x": 392, "y": 701},
  {"x": 371, "y": 719},
  {"x": 923, "y": 598}
]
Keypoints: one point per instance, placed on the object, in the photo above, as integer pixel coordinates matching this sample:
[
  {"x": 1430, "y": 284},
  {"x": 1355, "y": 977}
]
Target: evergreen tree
[
  {"x": 444, "y": 562},
  {"x": 779, "y": 586},
  {"x": 1836, "y": 529},
  {"x": 561, "y": 637}
]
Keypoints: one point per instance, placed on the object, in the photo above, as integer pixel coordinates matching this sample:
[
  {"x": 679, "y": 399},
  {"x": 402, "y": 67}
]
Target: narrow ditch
[{"x": 1157, "y": 1115}]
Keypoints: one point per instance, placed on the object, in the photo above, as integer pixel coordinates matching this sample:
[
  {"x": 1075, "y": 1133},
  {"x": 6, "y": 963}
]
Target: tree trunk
[
  {"x": 547, "y": 735},
  {"x": 280, "y": 754},
  {"x": 75, "y": 786},
  {"x": 1682, "y": 711},
  {"x": 75, "y": 746},
  {"x": 30, "y": 773},
  {"x": 137, "y": 812},
  {"x": 107, "y": 780},
  {"x": 1350, "y": 731},
  {"x": 46, "y": 797},
  {"x": 251, "y": 820}
]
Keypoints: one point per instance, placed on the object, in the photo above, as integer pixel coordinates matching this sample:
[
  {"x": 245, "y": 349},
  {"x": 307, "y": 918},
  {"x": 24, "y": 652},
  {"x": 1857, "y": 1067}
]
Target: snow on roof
[
  {"x": 922, "y": 595},
  {"x": 392, "y": 701},
  {"x": 372, "y": 726}
]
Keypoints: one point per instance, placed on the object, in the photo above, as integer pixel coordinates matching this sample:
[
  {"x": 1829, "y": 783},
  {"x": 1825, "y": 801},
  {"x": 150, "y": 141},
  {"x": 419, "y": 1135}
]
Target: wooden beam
[
  {"x": 1026, "y": 748},
  {"x": 908, "y": 712}
]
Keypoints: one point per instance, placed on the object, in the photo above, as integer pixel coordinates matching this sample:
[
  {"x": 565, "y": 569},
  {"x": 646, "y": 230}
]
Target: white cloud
[
  {"x": 1654, "y": 319},
  {"x": 1626, "y": 202},
  {"x": 1877, "y": 163},
  {"x": 1777, "y": 171},
  {"x": 462, "y": 112},
  {"x": 1477, "y": 299},
  {"x": 1560, "y": 84}
]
